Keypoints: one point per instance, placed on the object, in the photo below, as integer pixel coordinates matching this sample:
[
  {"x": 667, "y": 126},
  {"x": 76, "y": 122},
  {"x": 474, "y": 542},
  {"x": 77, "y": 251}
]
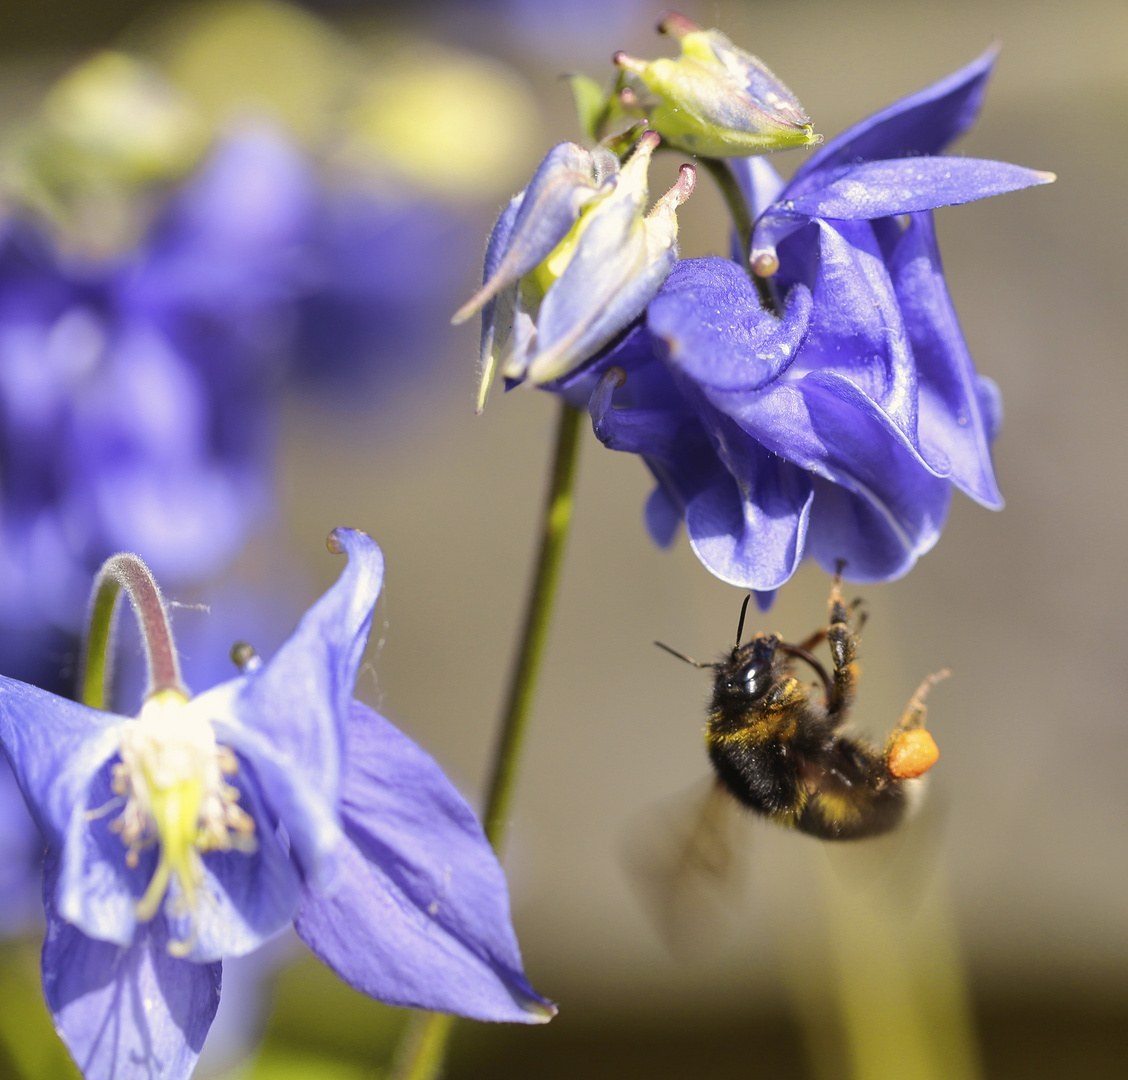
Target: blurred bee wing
[
  {"x": 687, "y": 860},
  {"x": 902, "y": 863}
]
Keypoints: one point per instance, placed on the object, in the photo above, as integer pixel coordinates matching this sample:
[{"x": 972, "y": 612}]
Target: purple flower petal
[
  {"x": 951, "y": 421},
  {"x": 851, "y": 527},
  {"x": 718, "y": 333},
  {"x": 873, "y": 189},
  {"x": 857, "y": 328},
  {"x": 419, "y": 915},
  {"x": 300, "y": 699},
  {"x": 132, "y": 1013},
  {"x": 922, "y": 123},
  {"x": 750, "y": 528},
  {"x": 21, "y": 858}
]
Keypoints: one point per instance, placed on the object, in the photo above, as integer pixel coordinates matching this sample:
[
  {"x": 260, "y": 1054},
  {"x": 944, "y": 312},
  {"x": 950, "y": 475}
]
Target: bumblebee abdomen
[
  {"x": 761, "y": 777},
  {"x": 854, "y": 815}
]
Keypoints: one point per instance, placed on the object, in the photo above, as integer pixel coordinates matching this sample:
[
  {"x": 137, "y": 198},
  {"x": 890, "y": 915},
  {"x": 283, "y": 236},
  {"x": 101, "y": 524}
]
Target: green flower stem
[
  {"x": 423, "y": 1046},
  {"x": 424, "y": 1042},
  {"x": 127, "y": 572},
  {"x": 741, "y": 221},
  {"x": 534, "y": 632}
]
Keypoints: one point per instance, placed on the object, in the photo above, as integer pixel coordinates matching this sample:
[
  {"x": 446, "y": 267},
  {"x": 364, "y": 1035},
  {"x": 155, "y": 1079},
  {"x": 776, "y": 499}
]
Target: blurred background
[{"x": 233, "y": 236}]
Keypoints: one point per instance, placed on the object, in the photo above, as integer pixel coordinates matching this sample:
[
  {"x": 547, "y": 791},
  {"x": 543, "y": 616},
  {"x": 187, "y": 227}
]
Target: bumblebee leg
[
  {"x": 910, "y": 750},
  {"x": 916, "y": 710},
  {"x": 843, "y": 640},
  {"x": 819, "y": 636}
]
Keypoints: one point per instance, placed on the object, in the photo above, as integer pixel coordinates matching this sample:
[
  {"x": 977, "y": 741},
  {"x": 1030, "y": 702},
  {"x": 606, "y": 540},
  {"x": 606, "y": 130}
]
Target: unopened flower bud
[
  {"x": 715, "y": 99},
  {"x": 572, "y": 261}
]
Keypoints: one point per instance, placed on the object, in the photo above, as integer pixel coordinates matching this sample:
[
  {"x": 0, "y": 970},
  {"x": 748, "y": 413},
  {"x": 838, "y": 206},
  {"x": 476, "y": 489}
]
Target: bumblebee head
[{"x": 749, "y": 672}]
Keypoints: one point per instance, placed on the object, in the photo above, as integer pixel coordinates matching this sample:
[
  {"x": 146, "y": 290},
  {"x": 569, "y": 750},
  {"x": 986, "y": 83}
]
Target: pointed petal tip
[
  {"x": 540, "y": 1011},
  {"x": 355, "y": 543},
  {"x": 474, "y": 304}
]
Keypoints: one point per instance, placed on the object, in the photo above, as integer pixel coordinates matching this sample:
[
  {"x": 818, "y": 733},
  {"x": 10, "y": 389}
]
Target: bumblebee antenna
[
  {"x": 682, "y": 656},
  {"x": 740, "y": 624}
]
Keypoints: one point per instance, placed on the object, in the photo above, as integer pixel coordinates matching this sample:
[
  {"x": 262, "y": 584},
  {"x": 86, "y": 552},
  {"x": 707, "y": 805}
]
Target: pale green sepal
[
  {"x": 591, "y": 104},
  {"x": 716, "y": 100}
]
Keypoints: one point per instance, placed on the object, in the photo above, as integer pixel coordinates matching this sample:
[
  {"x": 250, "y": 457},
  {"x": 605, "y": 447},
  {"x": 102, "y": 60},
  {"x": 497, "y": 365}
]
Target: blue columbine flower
[
  {"x": 837, "y": 427},
  {"x": 197, "y": 829}
]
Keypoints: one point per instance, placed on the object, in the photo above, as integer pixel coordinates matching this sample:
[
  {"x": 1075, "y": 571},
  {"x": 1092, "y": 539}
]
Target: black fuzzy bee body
[{"x": 779, "y": 748}]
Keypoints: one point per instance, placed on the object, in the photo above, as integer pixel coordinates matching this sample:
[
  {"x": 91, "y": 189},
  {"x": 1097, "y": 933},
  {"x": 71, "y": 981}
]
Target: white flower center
[{"x": 171, "y": 775}]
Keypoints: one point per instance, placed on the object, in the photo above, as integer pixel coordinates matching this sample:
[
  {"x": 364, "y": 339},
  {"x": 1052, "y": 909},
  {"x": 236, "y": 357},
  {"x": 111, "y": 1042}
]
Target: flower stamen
[{"x": 171, "y": 776}]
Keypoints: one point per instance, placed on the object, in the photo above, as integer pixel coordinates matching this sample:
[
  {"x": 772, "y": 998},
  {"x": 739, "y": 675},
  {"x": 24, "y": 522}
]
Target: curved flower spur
[{"x": 196, "y": 830}]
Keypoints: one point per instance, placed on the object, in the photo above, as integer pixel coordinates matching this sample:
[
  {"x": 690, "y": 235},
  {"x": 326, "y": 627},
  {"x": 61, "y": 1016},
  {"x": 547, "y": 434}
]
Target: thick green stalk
[{"x": 424, "y": 1043}]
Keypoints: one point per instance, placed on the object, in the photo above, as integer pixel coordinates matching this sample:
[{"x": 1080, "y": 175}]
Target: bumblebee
[{"x": 778, "y": 746}]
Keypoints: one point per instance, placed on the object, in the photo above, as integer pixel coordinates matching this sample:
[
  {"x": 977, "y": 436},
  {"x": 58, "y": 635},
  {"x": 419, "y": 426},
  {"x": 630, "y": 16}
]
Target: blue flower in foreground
[
  {"x": 196, "y": 830},
  {"x": 837, "y": 428},
  {"x": 21, "y": 854}
]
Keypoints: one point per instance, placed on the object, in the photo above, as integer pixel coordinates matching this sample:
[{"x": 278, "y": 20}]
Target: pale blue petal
[
  {"x": 951, "y": 422},
  {"x": 55, "y": 747},
  {"x": 127, "y": 1013},
  {"x": 246, "y": 897},
  {"x": 307, "y": 813},
  {"x": 540, "y": 217},
  {"x": 300, "y": 699},
  {"x": 420, "y": 913}
]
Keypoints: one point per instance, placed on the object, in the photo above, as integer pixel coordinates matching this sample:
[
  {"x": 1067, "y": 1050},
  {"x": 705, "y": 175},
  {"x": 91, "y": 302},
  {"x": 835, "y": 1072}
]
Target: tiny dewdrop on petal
[{"x": 172, "y": 777}]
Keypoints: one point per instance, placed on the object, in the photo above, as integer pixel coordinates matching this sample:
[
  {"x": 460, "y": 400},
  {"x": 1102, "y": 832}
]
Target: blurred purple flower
[
  {"x": 380, "y": 276},
  {"x": 136, "y": 395},
  {"x": 837, "y": 428},
  {"x": 269, "y": 798}
]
